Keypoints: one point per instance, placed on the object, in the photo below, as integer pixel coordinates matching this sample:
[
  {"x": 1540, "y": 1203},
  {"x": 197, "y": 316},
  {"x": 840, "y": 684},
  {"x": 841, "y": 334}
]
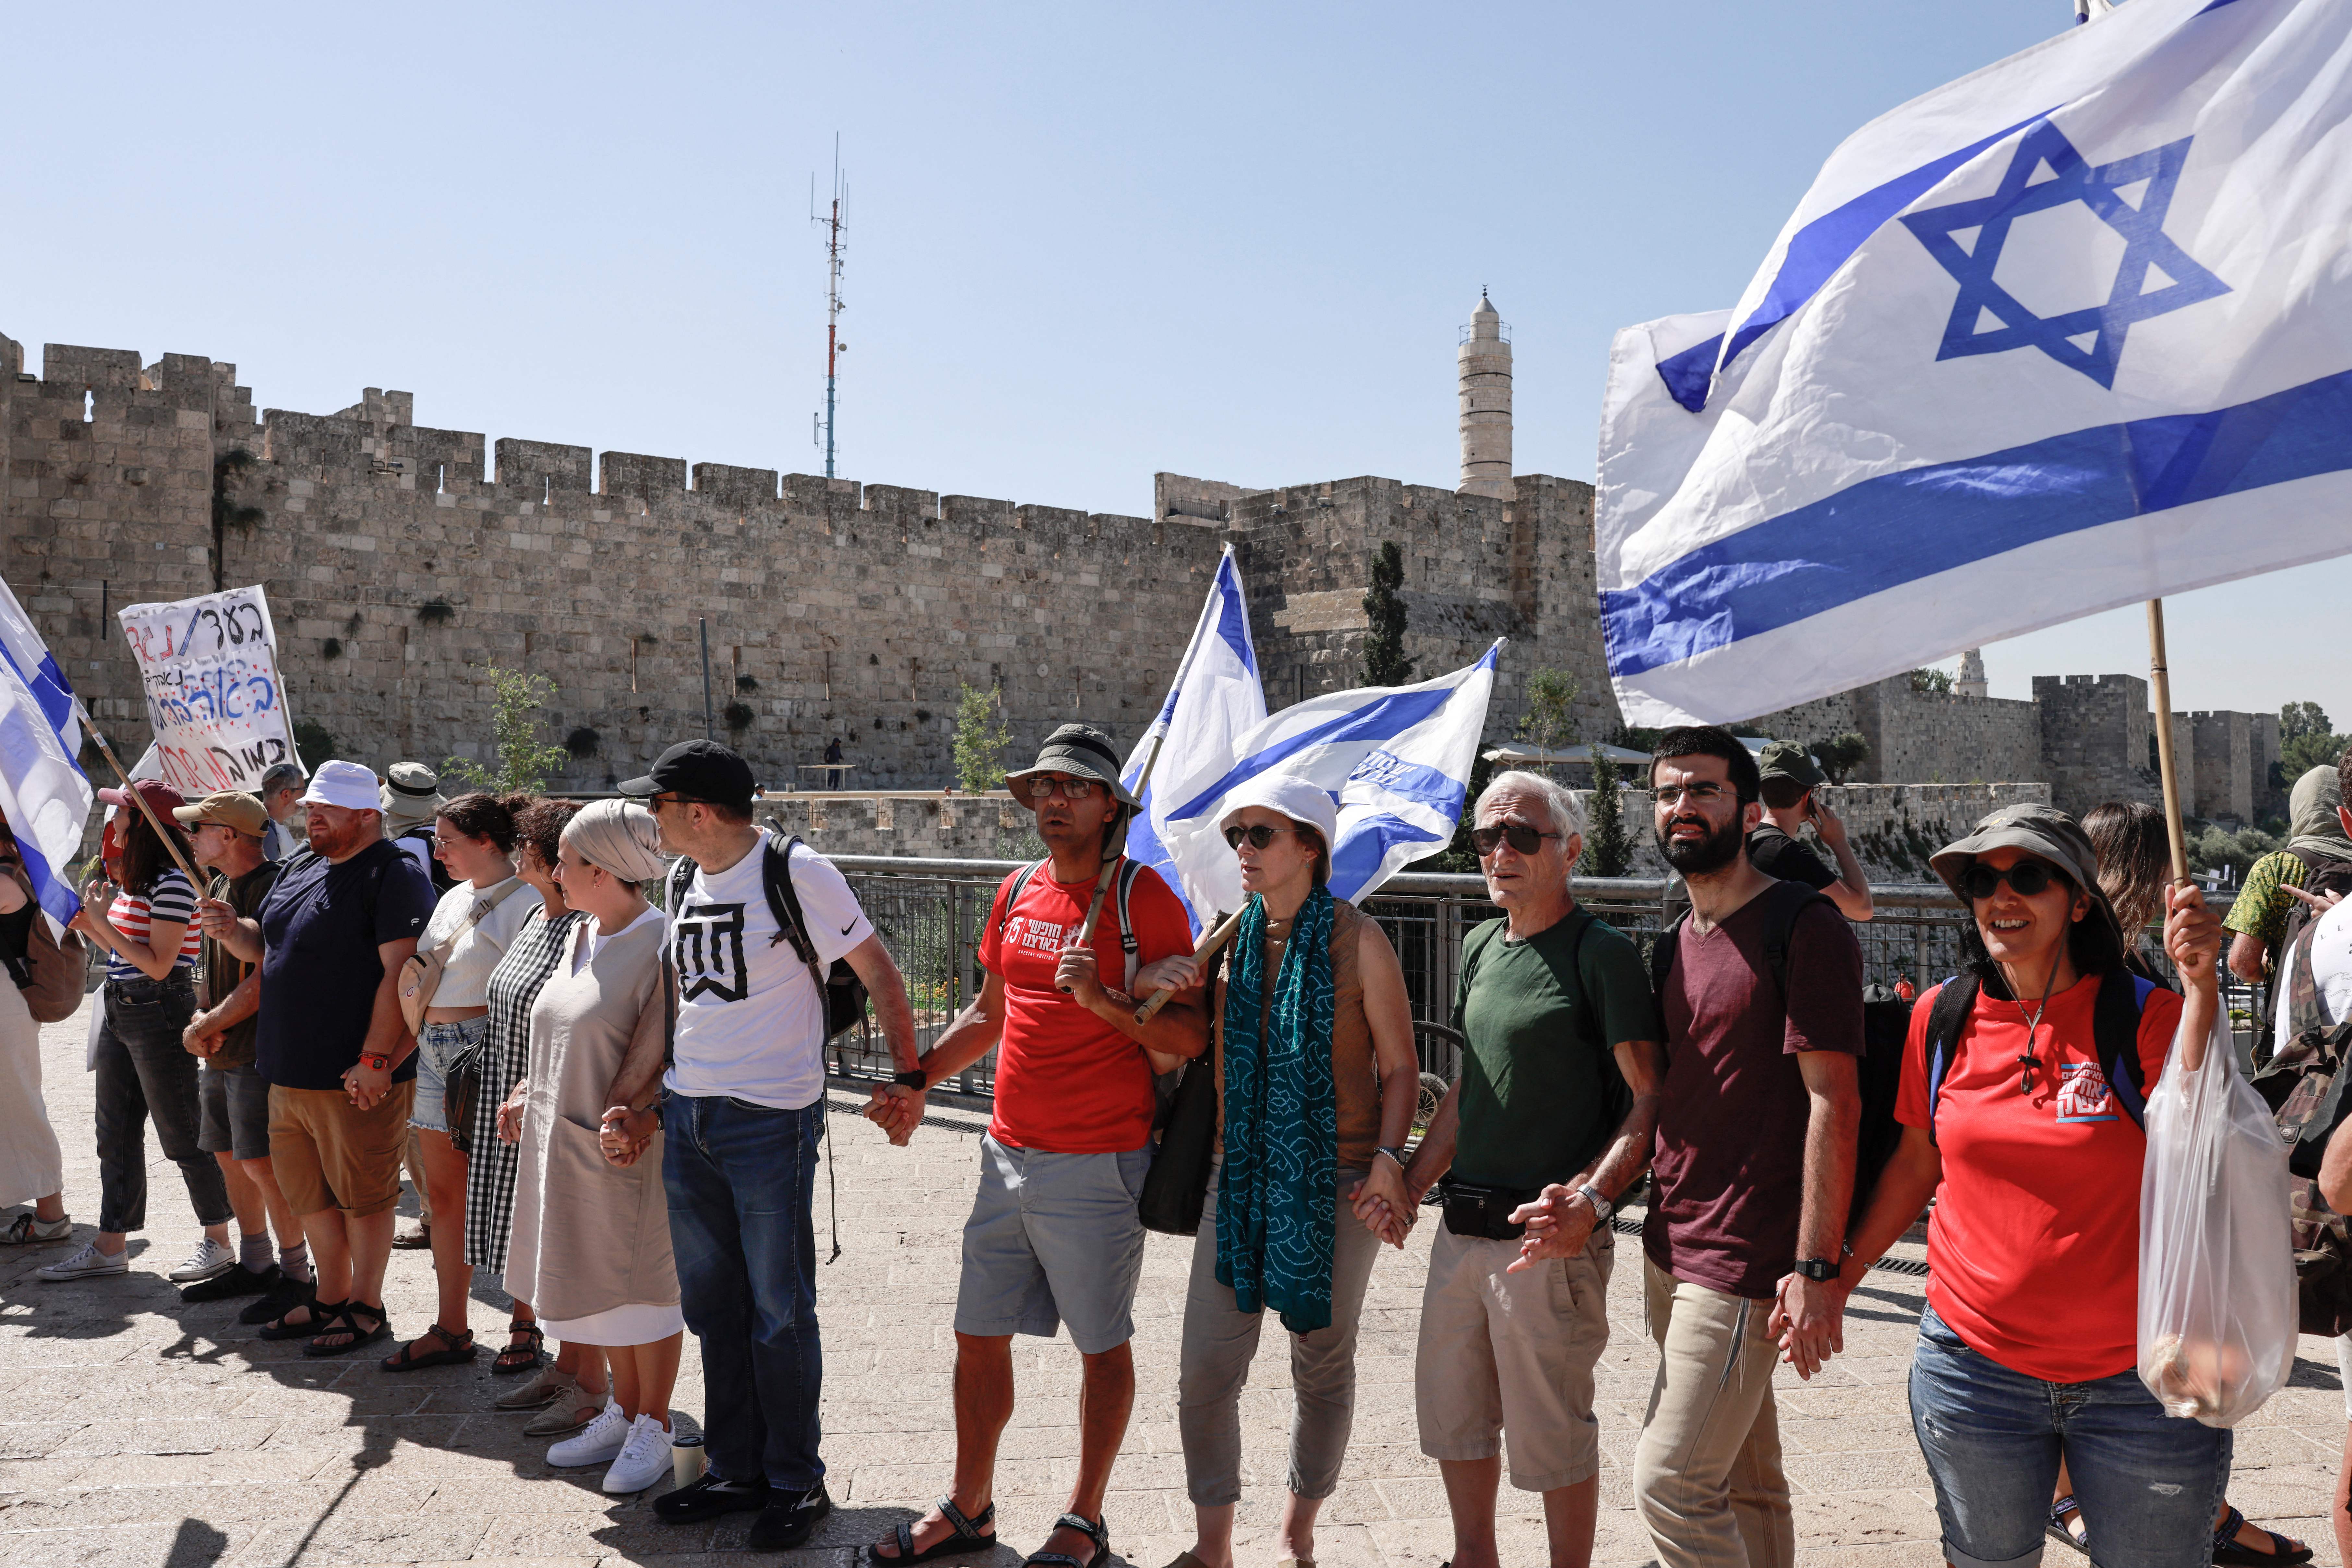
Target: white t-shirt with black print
[{"x": 751, "y": 1021}]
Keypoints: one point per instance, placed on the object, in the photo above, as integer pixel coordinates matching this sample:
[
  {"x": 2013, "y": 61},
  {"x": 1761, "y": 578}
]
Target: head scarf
[
  {"x": 2312, "y": 821},
  {"x": 616, "y": 835}
]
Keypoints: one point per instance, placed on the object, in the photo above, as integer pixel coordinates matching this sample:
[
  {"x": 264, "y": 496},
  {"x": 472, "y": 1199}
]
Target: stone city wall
[
  {"x": 1922, "y": 736},
  {"x": 1893, "y": 828}
]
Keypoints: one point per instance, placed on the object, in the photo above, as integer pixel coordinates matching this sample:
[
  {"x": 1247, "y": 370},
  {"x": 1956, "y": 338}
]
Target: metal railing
[{"x": 929, "y": 914}]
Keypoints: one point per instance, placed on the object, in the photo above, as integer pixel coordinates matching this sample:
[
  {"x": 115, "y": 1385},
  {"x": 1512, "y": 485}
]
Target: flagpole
[
  {"x": 170, "y": 847},
  {"x": 2159, "y": 682}
]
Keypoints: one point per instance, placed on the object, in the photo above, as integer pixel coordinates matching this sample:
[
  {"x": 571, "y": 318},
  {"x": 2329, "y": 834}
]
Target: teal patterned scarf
[{"x": 1281, "y": 1138}]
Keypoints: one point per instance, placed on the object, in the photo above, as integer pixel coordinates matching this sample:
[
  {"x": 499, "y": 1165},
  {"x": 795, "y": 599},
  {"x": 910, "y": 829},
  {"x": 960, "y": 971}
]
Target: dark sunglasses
[
  {"x": 1259, "y": 837},
  {"x": 2027, "y": 876},
  {"x": 1522, "y": 838}
]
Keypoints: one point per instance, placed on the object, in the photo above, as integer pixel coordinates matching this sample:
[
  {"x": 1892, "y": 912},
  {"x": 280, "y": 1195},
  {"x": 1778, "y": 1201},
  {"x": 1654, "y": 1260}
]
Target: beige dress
[{"x": 591, "y": 1248}]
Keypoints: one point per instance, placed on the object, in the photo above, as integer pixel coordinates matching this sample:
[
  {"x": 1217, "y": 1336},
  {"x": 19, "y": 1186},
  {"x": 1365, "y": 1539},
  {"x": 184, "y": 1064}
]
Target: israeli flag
[
  {"x": 1395, "y": 759},
  {"x": 43, "y": 793},
  {"x": 2069, "y": 333},
  {"x": 1215, "y": 699}
]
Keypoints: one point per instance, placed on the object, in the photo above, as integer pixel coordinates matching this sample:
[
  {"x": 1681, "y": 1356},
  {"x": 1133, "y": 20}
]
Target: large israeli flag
[
  {"x": 1396, "y": 759},
  {"x": 43, "y": 793},
  {"x": 2072, "y": 332},
  {"x": 1215, "y": 699}
]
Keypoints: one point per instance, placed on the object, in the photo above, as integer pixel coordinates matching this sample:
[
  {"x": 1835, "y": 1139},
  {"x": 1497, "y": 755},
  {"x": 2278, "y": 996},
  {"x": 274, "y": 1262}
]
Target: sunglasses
[
  {"x": 1259, "y": 837},
  {"x": 1041, "y": 788},
  {"x": 2027, "y": 876},
  {"x": 1519, "y": 835}
]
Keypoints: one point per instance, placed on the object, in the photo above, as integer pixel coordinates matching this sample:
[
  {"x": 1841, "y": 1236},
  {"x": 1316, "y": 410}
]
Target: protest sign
[{"x": 209, "y": 667}]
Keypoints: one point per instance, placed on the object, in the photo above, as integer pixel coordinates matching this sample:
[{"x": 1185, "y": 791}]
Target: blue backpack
[{"x": 2115, "y": 1031}]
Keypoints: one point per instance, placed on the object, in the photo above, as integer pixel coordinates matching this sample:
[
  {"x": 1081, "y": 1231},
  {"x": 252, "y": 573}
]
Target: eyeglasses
[
  {"x": 1041, "y": 787},
  {"x": 654, "y": 803},
  {"x": 1519, "y": 834},
  {"x": 1671, "y": 795},
  {"x": 1259, "y": 837},
  {"x": 2027, "y": 876},
  {"x": 2025, "y": 1082}
]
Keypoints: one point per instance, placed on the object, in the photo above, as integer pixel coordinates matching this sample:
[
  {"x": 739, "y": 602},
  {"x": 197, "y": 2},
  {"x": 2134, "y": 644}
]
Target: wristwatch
[
  {"x": 1601, "y": 1208},
  {"x": 1396, "y": 1154},
  {"x": 1820, "y": 1269},
  {"x": 375, "y": 1063},
  {"x": 913, "y": 1078}
]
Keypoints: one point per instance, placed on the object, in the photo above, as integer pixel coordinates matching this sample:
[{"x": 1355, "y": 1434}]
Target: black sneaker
[
  {"x": 787, "y": 1522},
  {"x": 707, "y": 1497},
  {"x": 238, "y": 1281},
  {"x": 282, "y": 1297}
]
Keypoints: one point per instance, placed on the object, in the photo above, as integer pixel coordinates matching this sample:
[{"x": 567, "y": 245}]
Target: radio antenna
[{"x": 834, "y": 346}]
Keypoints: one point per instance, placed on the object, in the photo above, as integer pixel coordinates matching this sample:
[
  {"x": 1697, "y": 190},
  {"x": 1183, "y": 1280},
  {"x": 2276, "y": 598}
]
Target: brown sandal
[
  {"x": 522, "y": 1358},
  {"x": 455, "y": 1349}
]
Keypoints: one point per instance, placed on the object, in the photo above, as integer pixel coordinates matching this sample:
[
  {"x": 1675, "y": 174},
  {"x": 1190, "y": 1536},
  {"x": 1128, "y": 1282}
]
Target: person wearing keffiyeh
[{"x": 1317, "y": 1081}]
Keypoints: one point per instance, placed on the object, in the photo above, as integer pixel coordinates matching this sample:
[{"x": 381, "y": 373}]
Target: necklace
[{"x": 2029, "y": 1061}]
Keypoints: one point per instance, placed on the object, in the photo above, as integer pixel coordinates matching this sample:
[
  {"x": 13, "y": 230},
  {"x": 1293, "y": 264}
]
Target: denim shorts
[
  {"x": 1054, "y": 1239},
  {"x": 236, "y": 1106},
  {"x": 2150, "y": 1484},
  {"x": 438, "y": 1046}
]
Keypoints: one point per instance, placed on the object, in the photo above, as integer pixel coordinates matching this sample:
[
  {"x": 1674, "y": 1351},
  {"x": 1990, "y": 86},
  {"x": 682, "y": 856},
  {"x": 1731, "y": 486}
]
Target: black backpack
[
  {"x": 438, "y": 873},
  {"x": 2321, "y": 876},
  {"x": 2305, "y": 1083},
  {"x": 844, "y": 991}
]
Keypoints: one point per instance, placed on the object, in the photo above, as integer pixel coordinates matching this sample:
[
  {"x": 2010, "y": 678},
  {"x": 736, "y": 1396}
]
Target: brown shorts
[{"x": 328, "y": 1154}]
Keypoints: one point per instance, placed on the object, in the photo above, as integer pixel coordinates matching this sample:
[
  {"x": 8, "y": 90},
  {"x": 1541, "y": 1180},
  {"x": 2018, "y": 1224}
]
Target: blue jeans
[
  {"x": 740, "y": 1180},
  {"x": 2150, "y": 1484}
]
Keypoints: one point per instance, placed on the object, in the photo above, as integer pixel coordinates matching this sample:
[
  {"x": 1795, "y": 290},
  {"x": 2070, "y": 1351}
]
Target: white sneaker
[
  {"x": 28, "y": 1229},
  {"x": 645, "y": 1459},
  {"x": 87, "y": 1264},
  {"x": 598, "y": 1443},
  {"x": 208, "y": 1261}
]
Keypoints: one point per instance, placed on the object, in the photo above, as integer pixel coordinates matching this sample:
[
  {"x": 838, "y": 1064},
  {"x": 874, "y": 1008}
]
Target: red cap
[{"x": 161, "y": 798}]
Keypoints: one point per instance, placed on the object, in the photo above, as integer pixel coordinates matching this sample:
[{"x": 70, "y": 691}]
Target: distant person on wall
[
  {"x": 1054, "y": 1237},
  {"x": 1790, "y": 781},
  {"x": 330, "y": 939},
  {"x": 225, "y": 834},
  {"x": 833, "y": 754},
  {"x": 145, "y": 925},
  {"x": 32, "y": 1164},
  {"x": 281, "y": 790},
  {"x": 740, "y": 1111}
]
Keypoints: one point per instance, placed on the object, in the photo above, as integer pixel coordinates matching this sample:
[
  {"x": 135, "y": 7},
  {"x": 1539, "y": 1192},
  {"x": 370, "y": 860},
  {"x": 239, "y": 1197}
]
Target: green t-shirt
[{"x": 1541, "y": 1096}]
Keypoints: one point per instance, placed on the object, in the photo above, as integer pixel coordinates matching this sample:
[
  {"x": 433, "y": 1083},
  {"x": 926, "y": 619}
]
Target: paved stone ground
[{"x": 137, "y": 1432}]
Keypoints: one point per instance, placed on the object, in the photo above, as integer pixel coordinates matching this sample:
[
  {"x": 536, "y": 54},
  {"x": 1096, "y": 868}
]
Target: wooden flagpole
[
  {"x": 2161, "y": 689},
  {"x": 171, "y": 846}
]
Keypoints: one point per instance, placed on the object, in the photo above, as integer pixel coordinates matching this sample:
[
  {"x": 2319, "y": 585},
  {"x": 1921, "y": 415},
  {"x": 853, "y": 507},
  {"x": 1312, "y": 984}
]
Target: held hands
[
  {"x": 2193, "y": 937},
  {"x": 1809, "y": 1320},
  {"x": 1178, "y": 972},
  {"x": 897, "y": 1110},
  {"x": 200, "y": 1037},
  {"x": 1079, "y": 974},
  {"x": 1559, "y": 1223},
  {"x": 367, "y": 1085},
  {"x": 511, "y": 1114},
  {"x": 1382, "y": 1203},
  {"x": 623, "y": 1133}
]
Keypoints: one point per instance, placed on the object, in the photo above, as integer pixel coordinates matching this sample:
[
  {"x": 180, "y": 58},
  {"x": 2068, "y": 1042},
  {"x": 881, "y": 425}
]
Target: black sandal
[
  {"x": 1094, "y": 1530},
  {"x": 2058, "y": 1530},
  {"x": 347, "y": 1322},
  {"x": 522, "y": 1358},
  {"x": 321, "y": 1314},
  {"x": 967, "y": 1537},
  {"x": 455, "y": 1349},
  {"x": 2283, "y": 1554}
]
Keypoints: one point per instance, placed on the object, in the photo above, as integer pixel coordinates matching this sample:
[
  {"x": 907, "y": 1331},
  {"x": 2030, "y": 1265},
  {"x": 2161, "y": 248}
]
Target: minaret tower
[
  {"x": 1972, "y": 682},
  {"x": 1485, "y": 371}
]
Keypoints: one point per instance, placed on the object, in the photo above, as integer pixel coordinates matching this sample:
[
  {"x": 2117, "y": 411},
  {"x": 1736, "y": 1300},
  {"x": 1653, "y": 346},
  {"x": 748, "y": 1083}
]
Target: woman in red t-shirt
[{"x": 2026, "y": 1353}]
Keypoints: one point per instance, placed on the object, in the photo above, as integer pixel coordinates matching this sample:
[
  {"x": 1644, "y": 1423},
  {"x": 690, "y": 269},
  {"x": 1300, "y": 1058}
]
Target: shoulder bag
[{"x": 420, "y": 976}]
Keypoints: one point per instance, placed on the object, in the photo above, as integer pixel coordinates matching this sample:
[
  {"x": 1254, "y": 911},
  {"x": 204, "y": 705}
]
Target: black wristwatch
[
  {"x": 1820, "y": 1269},
  {"x": 914, "y": 1079}
]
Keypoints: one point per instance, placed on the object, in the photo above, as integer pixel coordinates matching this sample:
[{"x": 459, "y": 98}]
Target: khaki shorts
[
  {"x": 1513, "y": 1353},
  {"x": 330, "y": 1155}
]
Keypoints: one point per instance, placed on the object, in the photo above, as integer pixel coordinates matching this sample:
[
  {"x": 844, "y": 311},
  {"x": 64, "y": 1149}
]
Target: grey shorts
[
  {"x": 1054, "y": 1239},
  {"x": 234, "y": 1107},
  {"x": 438, "y": 1046}
]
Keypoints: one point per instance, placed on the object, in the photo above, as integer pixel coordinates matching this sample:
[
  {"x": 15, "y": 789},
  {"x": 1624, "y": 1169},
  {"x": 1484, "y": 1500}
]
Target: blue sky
[{"x": 1087, "y": 243}]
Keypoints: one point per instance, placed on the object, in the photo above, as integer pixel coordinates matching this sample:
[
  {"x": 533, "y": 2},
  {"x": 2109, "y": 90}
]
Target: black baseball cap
[{"x": 698, "y": 770}]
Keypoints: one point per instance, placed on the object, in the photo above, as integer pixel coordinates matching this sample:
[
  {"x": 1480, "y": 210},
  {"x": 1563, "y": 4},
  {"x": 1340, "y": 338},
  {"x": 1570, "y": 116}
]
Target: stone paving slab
[{"x": 138, "y": 1433}]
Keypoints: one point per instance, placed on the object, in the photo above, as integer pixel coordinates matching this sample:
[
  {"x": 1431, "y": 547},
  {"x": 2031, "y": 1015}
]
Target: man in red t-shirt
[{"x": 1054, "y": 1235}]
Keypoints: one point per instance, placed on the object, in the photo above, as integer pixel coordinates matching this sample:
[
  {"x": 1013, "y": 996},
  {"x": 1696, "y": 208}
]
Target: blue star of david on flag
[{"x": 2089, "y": 340}]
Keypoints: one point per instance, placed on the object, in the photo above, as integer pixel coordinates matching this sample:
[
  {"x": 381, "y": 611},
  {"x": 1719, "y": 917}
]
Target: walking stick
[
  {"x": 106, "y": 751},
  {"x": 1210, "y": 944}
]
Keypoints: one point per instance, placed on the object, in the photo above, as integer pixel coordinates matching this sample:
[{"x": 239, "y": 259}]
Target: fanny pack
[{"x": 1474, "y": 1210}]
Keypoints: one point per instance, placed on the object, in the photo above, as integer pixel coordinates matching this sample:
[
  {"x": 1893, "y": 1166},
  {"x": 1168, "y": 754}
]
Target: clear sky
[{"x": 1086, "y": 242}]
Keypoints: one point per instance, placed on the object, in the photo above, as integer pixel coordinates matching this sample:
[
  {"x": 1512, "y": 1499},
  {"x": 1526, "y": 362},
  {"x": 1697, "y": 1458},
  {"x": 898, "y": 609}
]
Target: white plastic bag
[{"x": 2217, "y": 1300}]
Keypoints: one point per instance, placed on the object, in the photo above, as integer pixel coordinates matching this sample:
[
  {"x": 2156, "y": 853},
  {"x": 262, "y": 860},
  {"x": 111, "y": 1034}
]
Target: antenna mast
[{"x": 834, "y": 346}]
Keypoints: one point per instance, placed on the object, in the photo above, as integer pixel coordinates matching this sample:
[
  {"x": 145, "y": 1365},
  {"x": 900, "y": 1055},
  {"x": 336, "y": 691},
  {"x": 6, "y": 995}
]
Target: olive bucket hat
[
  {"x": 1080, "y": 750},
  {"x": 2036, "y": 828}
]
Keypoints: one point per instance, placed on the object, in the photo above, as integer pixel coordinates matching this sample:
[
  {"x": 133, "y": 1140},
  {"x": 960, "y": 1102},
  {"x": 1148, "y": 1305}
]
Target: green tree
[
  {"x": 1384, "y": 661},
  {"x": 2306, "y": 741},
  {"x": 980, "y": 737},
  {"x": 314, "y": 743},
  {"x": 1840, "y": 754},
  {"x": 1938, "y": 682},
  {"x": 1608, "y": 848},
  {"x": 1550, "y": 721},
  {"x": 523, "y": 764}
]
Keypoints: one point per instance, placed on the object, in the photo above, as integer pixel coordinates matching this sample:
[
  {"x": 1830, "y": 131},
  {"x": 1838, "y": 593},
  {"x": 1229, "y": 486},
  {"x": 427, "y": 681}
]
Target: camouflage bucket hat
[{"x": 2038, "y": 829}]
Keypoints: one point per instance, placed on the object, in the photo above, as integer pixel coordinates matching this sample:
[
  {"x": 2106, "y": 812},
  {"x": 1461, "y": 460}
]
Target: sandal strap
[
  {"x": 2063, "y": 1505},
  {"x": 339, "y": 1322},
  {"x": 517, "y": 1326},
  {"x": 905, "y": 1541},
  {"x": 966, "y": 1528},
  {"x": 2227, "y": 1531},
  {"x": 1093, "y": 1528},
  {"x": 1061, "y": 1557}
]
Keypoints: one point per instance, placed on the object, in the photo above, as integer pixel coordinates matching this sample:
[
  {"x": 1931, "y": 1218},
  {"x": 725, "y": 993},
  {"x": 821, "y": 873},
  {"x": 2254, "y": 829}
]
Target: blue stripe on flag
[
  {"x": 1689, "y": 373},
  {"x": 1233, "y": 616},
  {"x": 1366, "y": 843},
  {"x": 1900, "y": 528},
  {"x": 1382, "y": 720},
  {"x": 47, "y": 685},
  {"x": 1418, "y": 782},
  {"x": 1817, "y": 250}
]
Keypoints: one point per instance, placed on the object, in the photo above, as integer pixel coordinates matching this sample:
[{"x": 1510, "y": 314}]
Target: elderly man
[
  {"x": 341, "y": 1063},
  {"x": 1548, "y": 1123},
  {"x": 281, "y": 790},
  {"x": 1054, "y": 1235}
]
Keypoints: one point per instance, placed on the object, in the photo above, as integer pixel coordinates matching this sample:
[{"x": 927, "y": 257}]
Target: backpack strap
[
  {"x": 1013, "y": 894},
  {"x": 1128, "y": 870},
  {"x": 784, "y": 900},
  {"x": 1949, "y": 1017},
  {"x": 1789, "y": 902},
  {"x": 1662, "y": 957},
  {"x": 2114, "y": 1029}
]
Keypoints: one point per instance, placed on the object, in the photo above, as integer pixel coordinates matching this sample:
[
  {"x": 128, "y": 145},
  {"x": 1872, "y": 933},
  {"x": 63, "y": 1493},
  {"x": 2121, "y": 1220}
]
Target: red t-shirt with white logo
[
  {"x": 1066, "y": 1082},
  {"x": 2034, "y": 1253}
]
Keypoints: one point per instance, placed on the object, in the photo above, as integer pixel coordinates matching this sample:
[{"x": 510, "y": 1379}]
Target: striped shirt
[{"x": 172, "y": 899}]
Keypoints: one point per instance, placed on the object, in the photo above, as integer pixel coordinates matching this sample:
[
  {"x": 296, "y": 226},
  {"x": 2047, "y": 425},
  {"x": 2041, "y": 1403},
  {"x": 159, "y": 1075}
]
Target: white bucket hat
[
  {"x": 347, "y": 785},
  {"x": 1293, "y": 797}
]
